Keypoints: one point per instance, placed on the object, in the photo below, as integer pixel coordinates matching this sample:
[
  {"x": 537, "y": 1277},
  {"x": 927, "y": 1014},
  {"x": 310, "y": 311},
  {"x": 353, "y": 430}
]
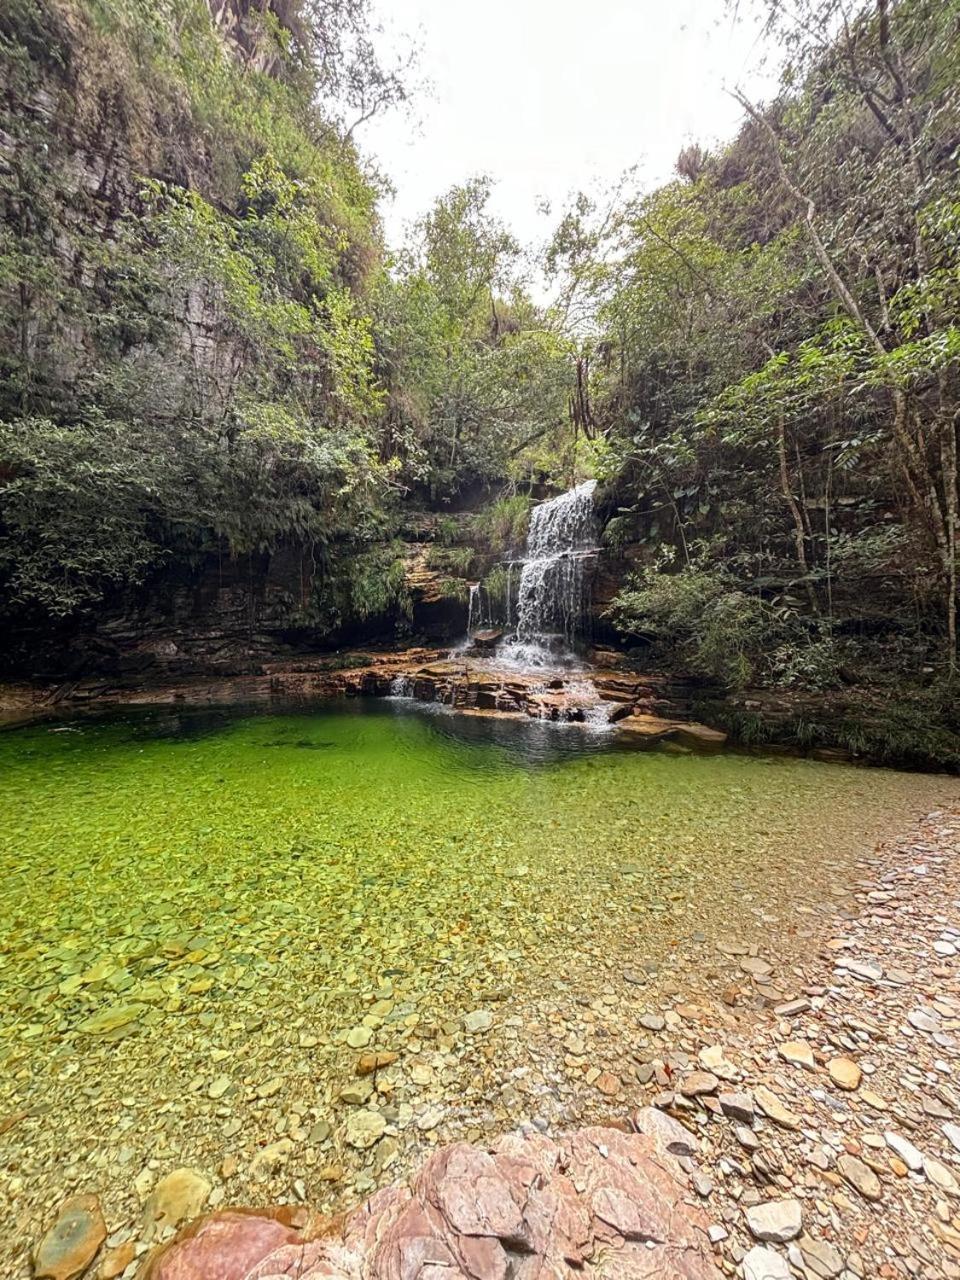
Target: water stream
[{"x": 552, "y": 595}]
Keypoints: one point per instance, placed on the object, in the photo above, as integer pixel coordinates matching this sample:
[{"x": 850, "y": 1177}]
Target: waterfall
[
  {"x": 474, "y": 609},
  {"x": 550, "y": 594}
]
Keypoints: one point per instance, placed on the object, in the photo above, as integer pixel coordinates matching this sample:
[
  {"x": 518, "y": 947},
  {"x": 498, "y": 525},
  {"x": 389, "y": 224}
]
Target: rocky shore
[
  {"x": 651, "y": 708},
  {"x": 804, "y": 1089}
]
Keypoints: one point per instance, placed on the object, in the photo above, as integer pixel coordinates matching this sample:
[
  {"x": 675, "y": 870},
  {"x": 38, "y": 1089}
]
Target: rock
[
  {"x": 952, "y": 1134},
  {"x": 666, "y": 1132},
  {"x": 608, "y": 1083},
  {"x": 798, "y": 1053},
  {"x": 697, "y": 1083},
  {"x": 820, "y": 1257},
  {"x": 866, "y": 971},
  {"x": 699, "y": 737},
  {"x": 364, "y": 1128},
  {"x": 776, "y": 1221},
  {"x": 652, "y": 1021},
  {"x": 860, "y": 1176},
  {"x": 712, "y": 1058},
  {"x": 746, "y": 1137},
  {"x": 774, "y": 1109},
  {"x": 359, "y": 1037},
  {"x": 356, "y": 1094},
  {"x": 177, "y": 1198},
  {"x": 940, "y": 1176},
  {"x": 792, "y": 1008},
  {"x": 219, "y": 1087},
  {"x": 367, "y": 1063},
  {"x": 479, "y": 1020},
  {"x": 765, "y": 1264},
  {"x": 923, "y": 1021},
  {"x": 738, "y": 1106},
  {"x": 111, "y": 1019},
  {"x": 117, "y": 1260},
  {"x": 756, "y": 967},
  {"x": 905, "y": 1149},
  {"x": 428, "y": 1120},
  {"x": 529, "y": 1203},
  {"x": 873, "y": 1100},
  {"x": 268, "y": 1160},
  {"x": 844, "y": 1073},
  {"x": 72, "y": 1242}
]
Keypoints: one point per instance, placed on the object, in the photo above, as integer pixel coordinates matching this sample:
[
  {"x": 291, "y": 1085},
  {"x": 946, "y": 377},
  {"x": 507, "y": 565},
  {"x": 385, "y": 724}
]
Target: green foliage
[
  {"x": 779, "y": 398},
  {"x": 192, "y": 369},
  {"x": 451, "y": 560},
  {"x": 501, "y": 527},
  {"x": 76, "y": 511},
  {"x": 698, "y": 620},
  {"x": 475, "y": 374}
]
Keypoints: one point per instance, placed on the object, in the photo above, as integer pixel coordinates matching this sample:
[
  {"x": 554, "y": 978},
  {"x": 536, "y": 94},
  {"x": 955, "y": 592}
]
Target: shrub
[{"x": 697, "y": 620}]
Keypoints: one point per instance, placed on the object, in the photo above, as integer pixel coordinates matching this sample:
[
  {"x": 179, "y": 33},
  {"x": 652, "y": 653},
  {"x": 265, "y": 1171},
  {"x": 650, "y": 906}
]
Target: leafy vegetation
[
  {"x": 773, "y": 352},
  {"x": 207, "y": 352}
]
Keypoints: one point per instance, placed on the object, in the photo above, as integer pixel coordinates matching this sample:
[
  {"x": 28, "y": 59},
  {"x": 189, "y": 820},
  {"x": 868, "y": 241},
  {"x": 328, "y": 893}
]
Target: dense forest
[{"x": 212, "y": 358}]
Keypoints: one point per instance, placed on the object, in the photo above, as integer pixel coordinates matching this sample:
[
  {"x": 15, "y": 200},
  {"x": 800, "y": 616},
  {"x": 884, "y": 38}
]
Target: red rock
[{"x": 530, "y": 1208}]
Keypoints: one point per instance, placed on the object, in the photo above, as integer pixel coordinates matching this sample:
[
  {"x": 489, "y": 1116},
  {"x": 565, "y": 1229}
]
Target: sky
[{"x": 553, "y": 96}]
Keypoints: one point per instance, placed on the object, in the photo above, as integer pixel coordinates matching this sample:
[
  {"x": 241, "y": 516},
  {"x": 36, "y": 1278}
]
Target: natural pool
[{"x": 207, "y": 916}]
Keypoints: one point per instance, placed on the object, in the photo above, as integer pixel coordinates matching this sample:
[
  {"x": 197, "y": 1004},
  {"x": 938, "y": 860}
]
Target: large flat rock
[{"x": 599, "y": 1203}]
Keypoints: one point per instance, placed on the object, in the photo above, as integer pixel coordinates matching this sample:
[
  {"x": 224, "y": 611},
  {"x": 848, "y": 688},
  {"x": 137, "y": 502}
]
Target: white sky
[{"x": 552, "y": 96}]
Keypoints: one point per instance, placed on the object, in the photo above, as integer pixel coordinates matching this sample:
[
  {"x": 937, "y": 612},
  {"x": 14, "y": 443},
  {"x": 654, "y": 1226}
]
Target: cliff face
[{"x": 187, "y": 383}]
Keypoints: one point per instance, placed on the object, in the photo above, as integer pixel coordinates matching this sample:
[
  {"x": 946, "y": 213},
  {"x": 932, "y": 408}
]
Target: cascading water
[{"x": 551, "y": 591}]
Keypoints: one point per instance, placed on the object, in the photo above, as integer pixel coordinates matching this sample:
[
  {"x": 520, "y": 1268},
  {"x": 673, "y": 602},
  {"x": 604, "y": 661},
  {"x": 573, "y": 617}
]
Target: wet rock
[
  {"x": 775, "y": 1221},
  {"x": 765, "y": 1264},
  {"x": 72, "y": 1242},
  {"x": 111, "y": 1019},
  {"x": 175, "y": 1199},
  {"x": 844, "y": 1073},
  {"x": 860, "y": 1176},
  {"x": 364, "y": 1128}
]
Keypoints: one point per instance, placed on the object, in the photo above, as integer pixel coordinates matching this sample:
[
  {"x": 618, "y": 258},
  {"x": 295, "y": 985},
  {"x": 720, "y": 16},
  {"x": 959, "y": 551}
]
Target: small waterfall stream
[{"x": 551, "y": 591}]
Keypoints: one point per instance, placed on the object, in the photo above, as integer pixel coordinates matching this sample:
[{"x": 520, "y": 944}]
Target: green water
[{"x": 189, "y": 897}]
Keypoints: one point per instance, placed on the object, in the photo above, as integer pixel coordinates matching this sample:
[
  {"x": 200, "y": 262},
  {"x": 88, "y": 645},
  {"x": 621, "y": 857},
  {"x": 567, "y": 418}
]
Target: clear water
[{"x": 241, "y": 889}]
